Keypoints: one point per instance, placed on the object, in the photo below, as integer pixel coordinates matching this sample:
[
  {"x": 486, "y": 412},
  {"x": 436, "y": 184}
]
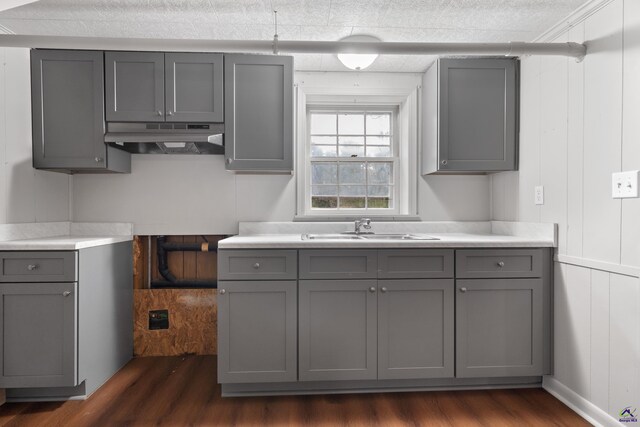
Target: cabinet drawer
[
  {"x": 38, "y": 266},
  {"x": 257, "y": 265},
  {"x": 338, "y": 264},
  {"x": 499, "y": 263},
  {"x": 415, "y": 264}
]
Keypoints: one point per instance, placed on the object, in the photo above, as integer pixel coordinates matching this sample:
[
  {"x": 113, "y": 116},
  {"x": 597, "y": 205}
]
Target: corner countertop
[
  {"x": 58, "y": 236},
  {"x": 489, "y": 234}
]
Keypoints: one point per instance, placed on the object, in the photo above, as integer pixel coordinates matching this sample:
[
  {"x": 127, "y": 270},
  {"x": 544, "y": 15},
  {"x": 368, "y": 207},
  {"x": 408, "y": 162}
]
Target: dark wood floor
[{"x": 182, "y": 391}]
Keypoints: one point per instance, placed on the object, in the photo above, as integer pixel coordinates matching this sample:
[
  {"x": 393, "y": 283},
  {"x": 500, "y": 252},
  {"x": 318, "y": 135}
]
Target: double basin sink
[{"x": 367, "y": 236}]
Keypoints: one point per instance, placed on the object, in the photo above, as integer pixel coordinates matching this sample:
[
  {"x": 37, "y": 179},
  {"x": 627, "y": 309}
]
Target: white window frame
[{"x": 406, "y": 102}]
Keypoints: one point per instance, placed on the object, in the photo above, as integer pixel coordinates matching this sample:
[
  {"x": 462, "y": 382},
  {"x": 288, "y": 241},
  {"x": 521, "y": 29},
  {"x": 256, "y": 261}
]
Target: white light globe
[{"x": 358, "y": 61}]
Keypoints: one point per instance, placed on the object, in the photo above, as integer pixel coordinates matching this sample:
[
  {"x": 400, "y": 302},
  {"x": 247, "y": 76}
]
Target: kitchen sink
[{"x": 349, "y": 236}]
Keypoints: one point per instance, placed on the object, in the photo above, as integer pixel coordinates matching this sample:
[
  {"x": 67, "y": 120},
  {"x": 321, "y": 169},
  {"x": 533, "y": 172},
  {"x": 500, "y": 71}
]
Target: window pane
[
  {"x": 324, "y": 173},
  {"x": 380, "y": 197},
  {"x": 352, "y": 173},
  {"x": 324, "y": 124},
  {"x": 378, "y": 151},
  {"x": 353, "y": 196},
  {"x": 380, "y": 172},
  {"x": 325, "y": 140},
  {"x": 379, "y": 191},
  {"x": 351, "y": 124},
  {"x": 351, "y": 151},
  {"x": 379, "y": 124},
  {"x": 378, "y": 140},
  {"x": 324, "y": 190},
  {"x": 353, "y": 190},
  {"x": 323, "y": 151},
  {"x": 351, "y": 140},
  {"x": 324, "y": 202}
]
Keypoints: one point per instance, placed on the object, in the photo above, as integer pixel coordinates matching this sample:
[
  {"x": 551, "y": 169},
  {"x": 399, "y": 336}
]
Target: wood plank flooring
[{"x": 182, "y": 391}]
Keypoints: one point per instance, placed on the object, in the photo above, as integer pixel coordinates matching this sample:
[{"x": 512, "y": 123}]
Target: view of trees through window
[{"x": 352, "y": 160}]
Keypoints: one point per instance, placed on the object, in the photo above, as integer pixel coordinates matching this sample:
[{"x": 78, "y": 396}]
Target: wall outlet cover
[
  {"x": 158, "y": 319},
  {"x": 624, "y": 185},
  {"x": 539, "y": 195}
]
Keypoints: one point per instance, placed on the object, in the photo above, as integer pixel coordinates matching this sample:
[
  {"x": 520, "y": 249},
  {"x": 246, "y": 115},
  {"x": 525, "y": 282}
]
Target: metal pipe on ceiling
[{"x": 570, "y": 49}]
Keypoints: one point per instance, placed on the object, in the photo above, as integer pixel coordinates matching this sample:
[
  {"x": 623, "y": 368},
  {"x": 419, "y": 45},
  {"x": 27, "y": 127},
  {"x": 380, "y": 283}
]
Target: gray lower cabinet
[
  {"x": 499, "y": 327},
  {"x": 470, "y": 116},
  {"x": 337, "y": 330},
  {"x": 258, "y": 112},
  {"x": 68, "y": 124},
  {"x": 415, "y": 328},
  {"x": 257, "y": 326},
  {"x": 134, "y": 83},
  {"x": 39, "y": 329}
]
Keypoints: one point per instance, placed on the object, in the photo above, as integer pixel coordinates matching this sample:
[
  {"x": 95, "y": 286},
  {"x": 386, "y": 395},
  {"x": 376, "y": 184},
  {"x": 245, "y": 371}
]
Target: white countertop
[
  {"x": 490, "y": 234},
  {"x": 62, "y": 235}
]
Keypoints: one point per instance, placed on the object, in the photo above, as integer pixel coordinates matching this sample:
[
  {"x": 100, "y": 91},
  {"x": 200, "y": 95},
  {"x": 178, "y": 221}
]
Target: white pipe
[{"x": 575, "y": 50}]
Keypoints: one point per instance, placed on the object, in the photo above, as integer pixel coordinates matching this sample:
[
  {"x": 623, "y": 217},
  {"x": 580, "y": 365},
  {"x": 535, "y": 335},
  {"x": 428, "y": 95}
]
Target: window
[{"x": 353, "y": 160}]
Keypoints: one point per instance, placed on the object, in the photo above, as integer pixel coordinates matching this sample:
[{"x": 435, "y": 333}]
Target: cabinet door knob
[
  {"x": 372, "y": 289},
  {"x": 444, "y": 162},
  {"x": 170, "y": 113},
  {"x": 229, "y": 161},
  {"x": 32, "y": 267},
  {"x": 501, "y": 264},
  {"x": 66, "y": 293},
  {"x": 159, "y": 112},
  {"x": 98, "y": 159},
  {"x": 463, "y": 290},
  {"x": 383, "y": 289},
  {"x": 256, "y": 265},
  {"x": 222, "y": 292}
]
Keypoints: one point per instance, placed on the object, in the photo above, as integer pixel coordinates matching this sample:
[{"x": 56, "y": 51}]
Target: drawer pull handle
[
  {"x": 32, "y": 267},
  {"x": 66, "y": 293},
  {"x": 222, "y": 292},
  {"x": 256, "y": 265},
  {"x": 383, "y": 289},
  {"x": 463, "y": 290},
  {"x": 501, "y": 264},
  {"x": 372, "y": 289}
]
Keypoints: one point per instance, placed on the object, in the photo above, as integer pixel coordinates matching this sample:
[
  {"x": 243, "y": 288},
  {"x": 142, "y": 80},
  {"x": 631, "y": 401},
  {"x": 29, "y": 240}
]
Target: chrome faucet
[{"x": 363, "y": 223}]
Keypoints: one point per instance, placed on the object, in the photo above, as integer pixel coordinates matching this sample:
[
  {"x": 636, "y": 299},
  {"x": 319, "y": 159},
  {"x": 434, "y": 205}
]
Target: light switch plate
[
  {"x": 624, "y": 185},
  {"x": 539, "y": 195}
]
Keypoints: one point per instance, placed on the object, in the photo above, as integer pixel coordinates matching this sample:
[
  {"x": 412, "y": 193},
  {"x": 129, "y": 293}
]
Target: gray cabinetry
[
  {"x": 470, "y": 121},
  {"x": 258, "y": 112},
  {"x": 499, "y": 327},
  {"x": 67, "y": 90},
  {"x": 337, "y": 330},
  {"x": 415, "y": 328},
  {"x": 194, "y": 87},
  {"x": 134, "y": 84},
  {"x": 257, "y": 331},
  {"x": 39, "y": 328}
]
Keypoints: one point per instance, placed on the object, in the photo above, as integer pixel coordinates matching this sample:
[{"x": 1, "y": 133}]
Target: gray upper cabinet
[
  {"x": 257, "y": 331},
  {"x": 337, "y": 330},
  {"x": 258, "y": 112},
  {"x": 470, "y": 116},
  {"x": 134, "y": 83},
  {"x": 67, "y": 90},
  {"x": 39, "y": 335},
  {"x": 499, "y": 327},
  {"x": 194, "y": 87}
]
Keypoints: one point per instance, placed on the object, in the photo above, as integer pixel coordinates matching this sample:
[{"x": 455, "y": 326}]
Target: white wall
[
  {"x": 26, "y": 195},
  {"x": 195, "y": 195},
  {"x": 580, "y": 122}
]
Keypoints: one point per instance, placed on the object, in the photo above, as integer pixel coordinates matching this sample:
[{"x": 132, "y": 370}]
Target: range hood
[{"x": 166, "y": 138}]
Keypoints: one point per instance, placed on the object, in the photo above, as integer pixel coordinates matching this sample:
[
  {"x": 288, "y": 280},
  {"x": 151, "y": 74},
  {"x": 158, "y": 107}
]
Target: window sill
[{"x": 349, "y": 218}]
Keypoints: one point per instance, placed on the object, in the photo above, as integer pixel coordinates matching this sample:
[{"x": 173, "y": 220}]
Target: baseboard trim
[{"x": 578, "y": 404}]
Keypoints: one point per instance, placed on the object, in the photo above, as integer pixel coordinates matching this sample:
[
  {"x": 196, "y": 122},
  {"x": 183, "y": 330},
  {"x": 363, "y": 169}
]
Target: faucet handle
[{"x": 366, "y": 223}]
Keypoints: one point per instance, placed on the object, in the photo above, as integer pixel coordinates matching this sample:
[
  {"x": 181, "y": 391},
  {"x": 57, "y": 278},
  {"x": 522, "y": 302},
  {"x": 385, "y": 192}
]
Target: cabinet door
[
  {"x": 39, "y": 335},
  {"x": 194, "y": 87},
  {"x": 134, "y": 84},
  {"x": 478, "y": 113},
  {"x": 499, "y": 328},
  {"x": 67, "y": 90},
  {"x": 415, "y": 329},
  {"x": 337, "y": 330},
  {"x": 257, "y": 331},
  {"x": 259, "y": 112}
]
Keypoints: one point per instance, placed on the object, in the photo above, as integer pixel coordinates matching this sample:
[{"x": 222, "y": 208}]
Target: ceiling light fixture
[{"x": 358, "y": 61}]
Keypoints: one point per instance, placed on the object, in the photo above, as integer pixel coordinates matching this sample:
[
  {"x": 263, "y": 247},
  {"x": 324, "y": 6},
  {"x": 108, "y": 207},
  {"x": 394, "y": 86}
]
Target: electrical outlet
[
  {"x": 158, "y": 319},
  {"x": 539, "y": 195},
  {"x": 624, "y": 185}
]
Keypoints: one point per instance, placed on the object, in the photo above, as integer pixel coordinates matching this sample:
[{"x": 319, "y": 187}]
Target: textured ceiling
[{"x": 389, "y": 20}]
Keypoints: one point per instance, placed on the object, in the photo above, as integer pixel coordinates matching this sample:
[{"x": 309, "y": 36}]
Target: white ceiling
[{"x": 389, "y": 20}]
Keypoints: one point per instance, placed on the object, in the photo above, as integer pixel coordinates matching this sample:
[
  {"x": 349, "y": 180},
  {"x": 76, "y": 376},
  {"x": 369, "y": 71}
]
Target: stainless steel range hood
[{"x": 166, "y": 138}]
